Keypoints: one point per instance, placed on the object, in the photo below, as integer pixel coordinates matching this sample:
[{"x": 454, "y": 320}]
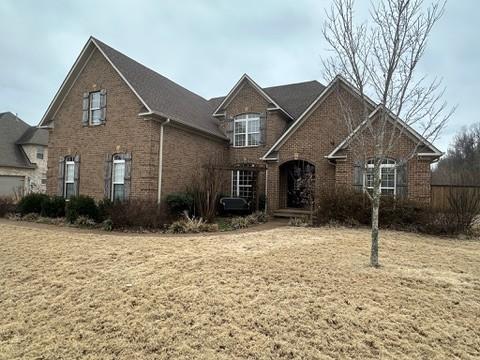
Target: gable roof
[
  {"x": 34, "y": 136},
  {"x": 232, "y": 93},
  {"x": 11, "y": 129},
  {"x": 294, "y": 98},
  {"x": 411, "y": 131},
  {"x": 319, "y": 99},
  {"x": 158, "y": 94}
]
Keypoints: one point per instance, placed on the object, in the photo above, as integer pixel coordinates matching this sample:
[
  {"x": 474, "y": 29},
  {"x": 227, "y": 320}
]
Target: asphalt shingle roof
[
  {"x": 162, "y": 94},
  {"x": 11, "y": 129},
  {"x": 293, "y": 98}
]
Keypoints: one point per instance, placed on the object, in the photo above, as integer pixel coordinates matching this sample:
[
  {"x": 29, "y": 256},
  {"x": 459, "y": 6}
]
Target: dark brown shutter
[
  {"x": 61, "y": 176},
  {"x": 229, "y": 124},
  {"x": 263, "y": 128},
  {"x": 358, "y": 172},
  {"x": 402, "y": 180},
  {"x": 108, "y": 177},
  {"x": 76, "y": 174},
  {"x": 128, "y": 174},
  {"x": 85, "y": 108},
  {"x": 103, "y": 105}
]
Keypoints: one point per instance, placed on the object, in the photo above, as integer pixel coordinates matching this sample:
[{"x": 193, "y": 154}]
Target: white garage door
[{"x": 9, "y": 185}]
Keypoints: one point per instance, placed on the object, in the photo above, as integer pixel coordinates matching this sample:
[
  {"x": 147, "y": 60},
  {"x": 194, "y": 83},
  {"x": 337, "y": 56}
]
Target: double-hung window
[
  {"x": 95, "y": 110},
  {"x": 69, "y": 188},
  {"x": 246, "y": 130},
  {"x": 40, "y": 152},
  {"x": 388, "y": 175},
  {"x": 242, "y": 184},
  {"x": 118, "y": 178}
]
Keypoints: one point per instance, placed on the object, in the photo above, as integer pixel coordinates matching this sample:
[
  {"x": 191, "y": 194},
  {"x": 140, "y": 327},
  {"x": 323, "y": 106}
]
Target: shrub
[
  {"x": 104, "y": 209},
  {"x": 30, "y": 217},
  {"x": 31, "y": 203},
  {"x": 7, "y": 206},
  {"x": 301, "y": 221},
  {"x": 53, "y": 207},
  {"x": 146, "y": 214},
  {"x": 179, "y": 202},
  {"x": 84, "y": 221},
  {"x": 239, "y": 222},
  {"x": 81, "y": 205},
  {"x": 192, "y": 225},
  {"x": 342, "y": 206},
  {"x": 107, "y": 225}
]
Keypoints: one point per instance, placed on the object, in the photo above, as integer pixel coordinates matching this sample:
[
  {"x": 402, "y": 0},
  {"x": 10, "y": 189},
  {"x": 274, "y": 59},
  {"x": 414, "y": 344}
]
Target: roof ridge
[
  {"x": 296, "y": 83},
  {"x": 147, "y": 68}
]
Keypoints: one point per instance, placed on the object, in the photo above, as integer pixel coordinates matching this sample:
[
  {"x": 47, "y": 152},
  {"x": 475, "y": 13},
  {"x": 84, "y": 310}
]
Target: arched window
[
  {"x": 246, "y": 130},
  {"x": 69, "y": 177},
  {"x": 118, "y": 177},
  {"x": 388, "y": 176}
]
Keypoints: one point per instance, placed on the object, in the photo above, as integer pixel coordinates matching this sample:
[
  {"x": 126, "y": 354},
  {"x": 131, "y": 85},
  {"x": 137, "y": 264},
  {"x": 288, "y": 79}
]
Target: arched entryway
[{"x": 297, "y": 184}]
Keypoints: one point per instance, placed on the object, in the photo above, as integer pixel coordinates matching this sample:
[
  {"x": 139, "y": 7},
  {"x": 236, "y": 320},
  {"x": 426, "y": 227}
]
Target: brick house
[
  {"x": 23, "y": 157},
  {"x": 120, "y": 130}
]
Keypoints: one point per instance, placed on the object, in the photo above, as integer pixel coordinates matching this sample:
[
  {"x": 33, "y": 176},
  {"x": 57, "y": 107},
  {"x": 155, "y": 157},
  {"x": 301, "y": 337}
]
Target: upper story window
[
  {"x": 40, "y": 151},
  {"x": 95, "y": 110},
  {"x": 388, "y": 174},
  {"x": 118, "y": 178},
  {"x": 69, "y": 178},
  {"x": 246, "y": 131}
]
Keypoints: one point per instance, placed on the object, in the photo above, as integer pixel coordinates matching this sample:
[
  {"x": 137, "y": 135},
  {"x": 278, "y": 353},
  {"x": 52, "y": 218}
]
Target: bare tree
[{"x": 379, "y": 58}]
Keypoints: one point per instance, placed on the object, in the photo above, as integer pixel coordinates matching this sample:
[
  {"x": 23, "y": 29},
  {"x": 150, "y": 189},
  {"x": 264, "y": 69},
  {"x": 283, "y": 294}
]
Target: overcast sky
[{"x": 207, "y": 45}]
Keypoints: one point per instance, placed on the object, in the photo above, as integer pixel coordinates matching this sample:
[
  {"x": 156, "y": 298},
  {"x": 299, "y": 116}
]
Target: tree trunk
[{"x": 375, "y": 213}]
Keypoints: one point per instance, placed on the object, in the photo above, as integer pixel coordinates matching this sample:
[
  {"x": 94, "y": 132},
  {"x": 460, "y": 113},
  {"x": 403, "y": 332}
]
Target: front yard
[{"x": 289, "y": 293}]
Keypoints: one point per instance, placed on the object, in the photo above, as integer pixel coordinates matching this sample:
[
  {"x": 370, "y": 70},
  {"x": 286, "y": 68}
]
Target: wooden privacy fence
[{"x": 440, "y": 194}]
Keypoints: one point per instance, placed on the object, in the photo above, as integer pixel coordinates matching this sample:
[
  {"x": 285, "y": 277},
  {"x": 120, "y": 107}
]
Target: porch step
[{"x": 291, "y": 213}]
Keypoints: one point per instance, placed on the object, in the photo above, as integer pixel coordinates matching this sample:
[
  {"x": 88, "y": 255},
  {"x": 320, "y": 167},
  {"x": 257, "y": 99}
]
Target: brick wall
[
  {"x": 184, "y": 154},
  {"x": 248, "y": 100},
  {"x": 123, "y": 131}
]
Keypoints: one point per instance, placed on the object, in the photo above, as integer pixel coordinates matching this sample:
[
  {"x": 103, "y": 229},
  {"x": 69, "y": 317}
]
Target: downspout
[
  {"x": 266, "y": 188},
  {"x": 160, "y": 161}
]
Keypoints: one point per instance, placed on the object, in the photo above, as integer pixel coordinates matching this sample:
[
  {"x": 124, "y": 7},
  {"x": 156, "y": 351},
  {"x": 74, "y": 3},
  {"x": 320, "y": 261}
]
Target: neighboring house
[
  {"x": 23, "y": 156},
  {"x": 120, "y": 130}
]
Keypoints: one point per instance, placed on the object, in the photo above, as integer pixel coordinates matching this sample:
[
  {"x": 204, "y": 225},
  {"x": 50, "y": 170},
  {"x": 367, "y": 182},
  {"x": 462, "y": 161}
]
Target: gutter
[{"x": 160, "y": 161}]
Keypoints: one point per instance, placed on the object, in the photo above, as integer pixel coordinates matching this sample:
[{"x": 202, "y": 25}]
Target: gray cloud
[{"x": 207, "y": 45}]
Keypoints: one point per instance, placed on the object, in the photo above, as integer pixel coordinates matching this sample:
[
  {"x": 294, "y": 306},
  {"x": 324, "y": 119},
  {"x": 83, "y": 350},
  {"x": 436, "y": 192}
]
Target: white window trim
[
  {"x": 67, "y": 163},
  {"x": 92, "y": 109},
  {"x": 382, "y": 166},
  {"x": 236, "y": 184},
  {"x": 117, "y": 161},
  {"x": 250, "y": 117}
]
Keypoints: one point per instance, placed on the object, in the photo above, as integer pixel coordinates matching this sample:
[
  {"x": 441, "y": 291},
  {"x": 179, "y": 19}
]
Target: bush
[
  {"x": 301, "y": 221},
  {"x": 192, "y": 225},
  {"x": 81, "y": 205},
  {"x": 146, "y": 214},
  {"x": 179, "y": 202},
  {"x": 239, "y": 222},
  {"x": 107, "y": 225},
  {"x": 7, "y": 206},
  {"x": 31, "y": 203},
  {"x": 84, "y": 221},
  {"x": 350, "y": 207},
  {"x": 30, "y": 217},
  {"x": 53, "y": 207}
]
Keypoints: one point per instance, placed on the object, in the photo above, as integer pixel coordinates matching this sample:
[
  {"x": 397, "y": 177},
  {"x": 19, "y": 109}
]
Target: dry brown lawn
[{"x": 282, "y": 293}]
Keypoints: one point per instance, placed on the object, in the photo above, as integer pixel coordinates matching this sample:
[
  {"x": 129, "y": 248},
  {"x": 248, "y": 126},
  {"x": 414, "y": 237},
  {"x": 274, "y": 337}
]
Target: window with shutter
[
  {"x": 388, "y": 174},
  {"x": 246, "y": 130}
]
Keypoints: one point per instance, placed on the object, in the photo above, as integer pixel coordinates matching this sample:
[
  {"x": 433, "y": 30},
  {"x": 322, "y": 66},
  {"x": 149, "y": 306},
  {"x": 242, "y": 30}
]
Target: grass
[{"x": 292, "y": 293}]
